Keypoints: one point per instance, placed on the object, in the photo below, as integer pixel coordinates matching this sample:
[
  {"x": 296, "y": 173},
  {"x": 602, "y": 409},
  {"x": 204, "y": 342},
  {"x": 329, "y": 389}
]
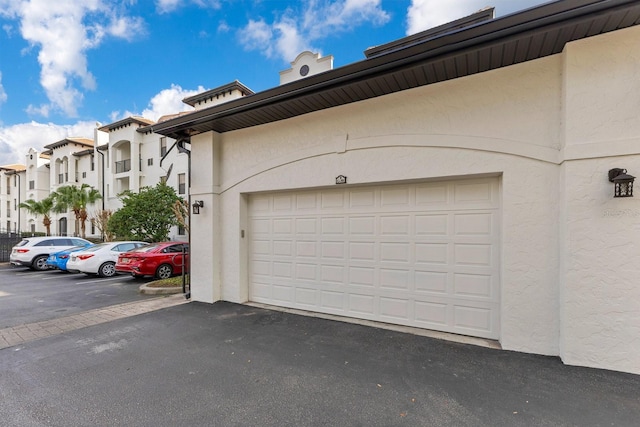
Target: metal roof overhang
[{"x": 516, "y": 38}]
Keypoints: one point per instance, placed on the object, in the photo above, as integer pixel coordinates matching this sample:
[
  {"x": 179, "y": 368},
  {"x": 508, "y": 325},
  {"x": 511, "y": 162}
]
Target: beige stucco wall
[
  {"x": 600, "y": 277},
  {"x": 520, "y": 123}
]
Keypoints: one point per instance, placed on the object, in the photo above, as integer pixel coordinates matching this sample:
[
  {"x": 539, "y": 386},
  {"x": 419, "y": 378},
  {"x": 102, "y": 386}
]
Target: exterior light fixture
[
  {"x": 196, "y": 206},
  {"x": 623, "y": 183}
]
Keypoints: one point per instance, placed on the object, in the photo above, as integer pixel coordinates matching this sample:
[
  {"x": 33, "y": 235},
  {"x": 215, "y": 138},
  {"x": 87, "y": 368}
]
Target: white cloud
[
  {"x": 167, "y": 6},
  {"x": 167, "y": 101},
  {"x": 16, "y": 140},
  {"x": 3, "y": 94},
  {"x": 62, "y": 31},
  {"x": 257, "y": 35},
  {"x": 296, "y": 30}
]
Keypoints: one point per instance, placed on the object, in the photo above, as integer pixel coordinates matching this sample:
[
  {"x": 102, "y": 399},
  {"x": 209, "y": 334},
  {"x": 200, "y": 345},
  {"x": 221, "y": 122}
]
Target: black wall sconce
[
  {"x": 623, "y": 183},
  {"x": 196, "y": 206}
]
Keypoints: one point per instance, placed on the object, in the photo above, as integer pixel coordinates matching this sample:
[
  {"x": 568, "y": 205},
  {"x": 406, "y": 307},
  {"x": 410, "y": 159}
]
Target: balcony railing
[{"x": 123, "y": 166}]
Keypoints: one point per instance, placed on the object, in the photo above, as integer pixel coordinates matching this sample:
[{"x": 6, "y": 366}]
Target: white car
[
  {"x": 101, "y": 258},
  {"x": 33, "y": 252}
]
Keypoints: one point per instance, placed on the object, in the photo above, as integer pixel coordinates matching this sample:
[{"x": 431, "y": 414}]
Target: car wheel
[
  {"x": 164, "y": 271},
  {"x": 40, "y": 263},
  {"x": 108, "y": 269}
]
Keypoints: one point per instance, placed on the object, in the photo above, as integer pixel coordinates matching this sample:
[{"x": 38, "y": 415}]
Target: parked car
[
  {"x": 101, "y": 258},
  {"x": 33, "y": 252},
  {"x": 58, "y": 260},
  {"x": 161, "y": 260}
]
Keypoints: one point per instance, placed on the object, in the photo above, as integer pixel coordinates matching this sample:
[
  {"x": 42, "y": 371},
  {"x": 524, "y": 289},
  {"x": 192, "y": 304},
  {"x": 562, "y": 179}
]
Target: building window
[
  {"x": 163, "y": 146},
  {"x": 181, "y": 183},
  {"x": 32, "y": 185},
  {"x": 93, "y": 165},
  {"x": 8, "y": 186},
  {"x": 15, "y": 204},
  {"x": 149, "y": 162},
  {"x": 181, "y": 231},
  {"x": 93, "y": 227},
  {"x": 8, "y": 209},
  {"x": 84, "y": 174},
  {"x": 33, "y": 228}
]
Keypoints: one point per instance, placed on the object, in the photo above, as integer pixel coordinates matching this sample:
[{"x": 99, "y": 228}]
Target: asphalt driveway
[{"x": 232, "y": 365}]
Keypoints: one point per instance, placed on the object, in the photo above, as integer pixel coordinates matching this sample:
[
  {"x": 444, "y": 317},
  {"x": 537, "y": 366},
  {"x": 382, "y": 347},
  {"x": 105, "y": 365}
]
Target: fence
[{"x": 7, "y": 241}]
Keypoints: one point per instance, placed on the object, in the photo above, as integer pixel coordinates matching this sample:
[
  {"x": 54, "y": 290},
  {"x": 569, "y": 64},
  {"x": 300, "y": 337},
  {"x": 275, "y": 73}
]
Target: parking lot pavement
[
  {"x": 226, "y": 364},
  {"x": 28, "y": 297},
  {"x": 24, "y": 333}
]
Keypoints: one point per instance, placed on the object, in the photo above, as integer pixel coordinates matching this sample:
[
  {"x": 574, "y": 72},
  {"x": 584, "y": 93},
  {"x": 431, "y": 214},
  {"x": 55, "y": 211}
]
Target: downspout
[
  {"x": 103, "y": 195},
  {"x": 182, "y": 149},
  {"x": 19, "y": 191}
]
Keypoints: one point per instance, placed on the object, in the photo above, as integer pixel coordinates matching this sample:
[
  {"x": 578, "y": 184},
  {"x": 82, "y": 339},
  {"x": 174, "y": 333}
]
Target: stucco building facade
[{"x": 456, "y": 180}]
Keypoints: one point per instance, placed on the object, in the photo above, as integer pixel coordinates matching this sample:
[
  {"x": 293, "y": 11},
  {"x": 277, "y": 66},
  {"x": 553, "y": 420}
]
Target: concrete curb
[{"x": 148, "y": 290}]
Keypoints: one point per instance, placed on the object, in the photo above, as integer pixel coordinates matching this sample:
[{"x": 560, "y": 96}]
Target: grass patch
[{"x": 171, "y": 282}]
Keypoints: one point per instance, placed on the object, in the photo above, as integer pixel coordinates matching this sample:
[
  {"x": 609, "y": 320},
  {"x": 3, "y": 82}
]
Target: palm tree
[
  {"x": 43, "y": 207},
  {"x": 76, "y": 199}
]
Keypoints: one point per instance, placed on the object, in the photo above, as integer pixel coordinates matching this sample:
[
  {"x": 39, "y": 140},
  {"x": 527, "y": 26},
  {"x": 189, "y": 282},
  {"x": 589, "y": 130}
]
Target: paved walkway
[{"x": 21, "y": 334}]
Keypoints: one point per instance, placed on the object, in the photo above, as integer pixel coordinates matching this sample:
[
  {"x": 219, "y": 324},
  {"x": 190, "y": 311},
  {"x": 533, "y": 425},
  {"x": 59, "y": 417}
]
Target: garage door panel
[
  {"x": 473, "y": 254},
  {"x": 424, "y": 255},
  {"x": 362, "y": 251},
  {"x": 333, "y": 250},
  {"x": 476, "y": 320},
  {"x": 395, "y": 196},
  {"x": 432, "y": 253},
  {"x": 431, "y": 281},
  {"x": 396, "y": 226},
  {"x": 432, "y": 196},
  {"x": 395, "y": 279},
  {"x": 362, "y": 304},
  {"x": 332, "y": 273},
  {"x": 362, "y": 276},
  {"x": 306, "y": 248},
  {"x": 473, "y": 224},
  {"x": 475, "y": 285},
  {"x": 333, "y": 301},
  {"x": 362, "y": 226},
  {"x": 394, "y": 309},
  {"x": 363, "y": 198},
  {"x": 431, "y": 225},
  {"x": 331, "y": 200},
  {"x": 430, "y": 314},
  {"x": 331, "y": 226}
]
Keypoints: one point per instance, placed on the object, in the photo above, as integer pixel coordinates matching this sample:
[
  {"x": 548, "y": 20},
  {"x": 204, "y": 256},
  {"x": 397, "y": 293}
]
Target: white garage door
[{"x": 423, "y": 255}]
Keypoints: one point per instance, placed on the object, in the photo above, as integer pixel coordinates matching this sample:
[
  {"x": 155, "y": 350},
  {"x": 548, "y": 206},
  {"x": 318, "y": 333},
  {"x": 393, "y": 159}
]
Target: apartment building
[{"x": 125, "y": 155}]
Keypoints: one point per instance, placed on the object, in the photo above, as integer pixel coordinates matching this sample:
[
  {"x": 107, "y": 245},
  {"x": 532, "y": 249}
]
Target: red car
[{"x": 161, "y": 260}]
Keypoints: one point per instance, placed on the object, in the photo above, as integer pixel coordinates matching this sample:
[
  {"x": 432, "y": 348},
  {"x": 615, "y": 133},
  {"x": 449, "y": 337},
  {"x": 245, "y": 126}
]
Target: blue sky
[{"x": 67, "y": 64}]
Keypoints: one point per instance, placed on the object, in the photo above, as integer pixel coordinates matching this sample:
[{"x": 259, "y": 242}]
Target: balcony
[{"x": 123, "y": 166}]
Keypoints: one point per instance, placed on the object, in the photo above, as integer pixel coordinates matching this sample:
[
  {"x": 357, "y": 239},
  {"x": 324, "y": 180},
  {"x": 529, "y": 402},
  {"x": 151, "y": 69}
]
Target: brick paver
[{"x": 21, "y": 334}]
